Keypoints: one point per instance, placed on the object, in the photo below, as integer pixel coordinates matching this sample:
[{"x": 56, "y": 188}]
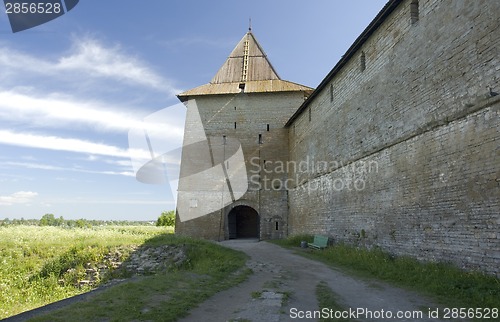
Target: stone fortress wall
[
  {"x": 257, "y": 121},
  {"x": 400, "y": 144}
]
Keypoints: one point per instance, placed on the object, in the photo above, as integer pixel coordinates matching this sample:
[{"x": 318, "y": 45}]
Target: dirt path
[{"x": 284, "y": 283}]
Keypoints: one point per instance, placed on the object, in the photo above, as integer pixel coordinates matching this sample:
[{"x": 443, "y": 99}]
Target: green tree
[
  {"x": 82, "y": 223},
  {"x": 60, "y": 221},
  {"x": 51, "y": 220},
  {"x": 47, "y": 220},
  {"x": 167, "y": 218}
]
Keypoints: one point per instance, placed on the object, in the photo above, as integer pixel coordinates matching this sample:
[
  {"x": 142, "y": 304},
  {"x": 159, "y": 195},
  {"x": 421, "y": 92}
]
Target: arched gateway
[{"x": 243, "y": 222}]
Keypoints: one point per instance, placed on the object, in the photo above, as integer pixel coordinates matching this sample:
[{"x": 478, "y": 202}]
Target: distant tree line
[{"x": 51, "y": 220}]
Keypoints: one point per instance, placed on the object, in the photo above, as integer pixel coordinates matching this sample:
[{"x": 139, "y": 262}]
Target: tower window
[
  {"x": 414, "y": 14},
  {"x": 235, "y": 125},
  {"x": 331, "y": 93},
  {"x": 310, "y": 114},
  {"x": 224, "y": 139},
  {"x": 268, "y": 128},
  {"x": 277, "y": 226},
  {"x": 260, "y": 138},
  {"x": 362, "y": 61}
]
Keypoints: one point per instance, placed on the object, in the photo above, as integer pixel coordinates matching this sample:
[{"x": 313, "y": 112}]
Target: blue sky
[{"x": 71, "y": 89}]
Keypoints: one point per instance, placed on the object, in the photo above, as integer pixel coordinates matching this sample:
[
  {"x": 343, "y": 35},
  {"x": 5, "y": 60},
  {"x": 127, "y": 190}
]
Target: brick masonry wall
[
  {"x": 421, "y": 132},
  {"x": 254, "y": 114}
]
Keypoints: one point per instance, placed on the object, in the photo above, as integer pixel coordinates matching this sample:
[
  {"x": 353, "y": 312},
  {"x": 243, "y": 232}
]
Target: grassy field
[
  {"x": 34, "y": 261},
  {"x": 165, "y": 296},
  {"x": 40, "y": 265},
  {"x": 447, "y": 284}
]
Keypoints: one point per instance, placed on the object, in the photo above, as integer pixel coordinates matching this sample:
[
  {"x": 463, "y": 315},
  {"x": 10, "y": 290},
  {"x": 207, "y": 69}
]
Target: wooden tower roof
[
  {"x": 248, "y": 70},
  {"x": 247, "y": 62}
]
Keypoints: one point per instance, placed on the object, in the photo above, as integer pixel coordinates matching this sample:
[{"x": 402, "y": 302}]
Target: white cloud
[
  {"x": 90, "y": 57},
  {"x": 68, "y": 144},
  {"x": 58, "y": 111},
  {"x": 77, "y": 146},
  {"x": 60, "y": 144},
  {"x": 6, "y": 177},
  {"x": 115, "y": 201},
  {"x": 18, "y": 61},
  {"x": 121, "y": 163},
  {"x": 25, "y": 105},
  {"x": 41, "y": 166},
  {"x": 21, "y": 197}
]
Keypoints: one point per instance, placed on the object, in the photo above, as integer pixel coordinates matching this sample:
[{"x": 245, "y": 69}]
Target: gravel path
[{"x": 283, "y": 286}]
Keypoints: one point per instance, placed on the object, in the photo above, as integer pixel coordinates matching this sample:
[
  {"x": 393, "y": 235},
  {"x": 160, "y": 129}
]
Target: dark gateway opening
[{"x": 243, "y": 222}]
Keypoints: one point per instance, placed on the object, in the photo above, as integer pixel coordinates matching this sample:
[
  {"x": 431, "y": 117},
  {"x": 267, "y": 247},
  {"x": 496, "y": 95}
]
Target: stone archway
[{"x": 243, "y": 222}]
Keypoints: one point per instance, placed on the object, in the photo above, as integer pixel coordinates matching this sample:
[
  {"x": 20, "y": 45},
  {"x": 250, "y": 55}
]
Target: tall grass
[
  {"x": 165, "y": 296},
  {"x": 32, "y": 260},
  {"x": 447, "y": 283}
]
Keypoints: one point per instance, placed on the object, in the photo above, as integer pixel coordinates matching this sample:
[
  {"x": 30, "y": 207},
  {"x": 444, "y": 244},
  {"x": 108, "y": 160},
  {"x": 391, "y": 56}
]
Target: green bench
[{"x": 319, "y": 242}]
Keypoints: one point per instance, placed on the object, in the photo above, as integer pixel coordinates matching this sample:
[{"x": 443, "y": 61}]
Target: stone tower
[{"x": 244, "y": 109}]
